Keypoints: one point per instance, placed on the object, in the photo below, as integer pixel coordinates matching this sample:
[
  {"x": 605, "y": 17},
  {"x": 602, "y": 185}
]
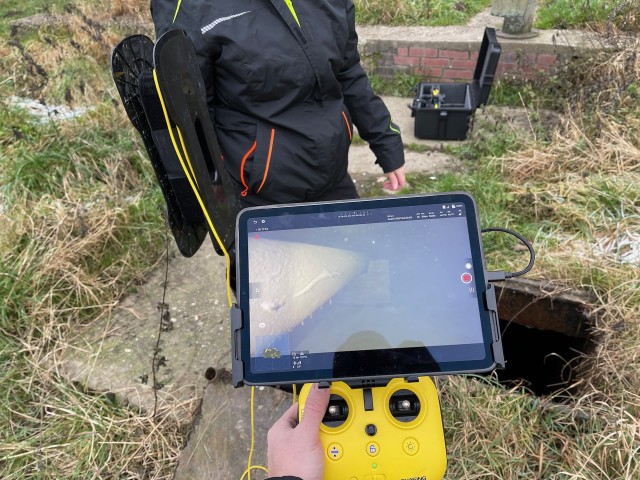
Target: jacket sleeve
[{"x": 368, "y": 112}]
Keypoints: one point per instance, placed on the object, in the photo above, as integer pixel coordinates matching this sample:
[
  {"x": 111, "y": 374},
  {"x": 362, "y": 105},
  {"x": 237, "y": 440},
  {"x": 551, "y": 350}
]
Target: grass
[
  {"x": 593, "y": 14},
  {"x": 81, "y": 227},
  {"x": 401, "y": 85},
  {"x": 418, "y": 12},
  {"x": 550, "y": 14}
]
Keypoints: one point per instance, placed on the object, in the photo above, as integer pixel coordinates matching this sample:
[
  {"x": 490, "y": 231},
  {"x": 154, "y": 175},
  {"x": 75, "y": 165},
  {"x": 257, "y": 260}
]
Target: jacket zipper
[
  {"x": 266, "y": 168},
  {"x": 244, "y": 161},
  {"x": 346, "y": 122}
]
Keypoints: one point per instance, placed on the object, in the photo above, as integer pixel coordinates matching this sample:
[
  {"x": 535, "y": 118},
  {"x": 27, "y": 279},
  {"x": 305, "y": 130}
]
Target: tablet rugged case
[{"x": 444, "y": 111}]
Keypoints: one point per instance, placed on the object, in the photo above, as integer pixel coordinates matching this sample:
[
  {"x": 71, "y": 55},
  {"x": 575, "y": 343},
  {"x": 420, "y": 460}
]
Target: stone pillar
[{"x": 518, "y": 17}]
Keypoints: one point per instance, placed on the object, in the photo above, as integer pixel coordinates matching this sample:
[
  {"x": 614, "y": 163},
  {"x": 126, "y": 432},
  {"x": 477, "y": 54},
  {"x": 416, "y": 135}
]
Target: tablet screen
[{"x": 366, "y": 288}]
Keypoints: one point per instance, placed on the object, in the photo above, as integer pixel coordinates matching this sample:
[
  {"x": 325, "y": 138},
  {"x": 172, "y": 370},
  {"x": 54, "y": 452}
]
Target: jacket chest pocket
[{"x": 260, "y": 51}]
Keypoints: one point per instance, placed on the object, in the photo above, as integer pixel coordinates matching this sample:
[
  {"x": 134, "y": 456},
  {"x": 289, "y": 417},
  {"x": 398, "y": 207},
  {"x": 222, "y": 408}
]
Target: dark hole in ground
[
  {"x": 546, "y": 331},
  {"x": 542, "y": 361}
]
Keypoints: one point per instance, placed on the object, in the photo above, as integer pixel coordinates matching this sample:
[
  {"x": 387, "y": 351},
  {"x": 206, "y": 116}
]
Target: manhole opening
[
  {"x": 542, "y": 361},
  {"x": 545, "y": 335}
]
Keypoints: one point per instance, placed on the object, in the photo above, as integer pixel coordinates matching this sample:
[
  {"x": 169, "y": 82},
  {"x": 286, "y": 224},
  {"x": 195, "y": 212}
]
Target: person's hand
[
  {"x": 395, "y": 180},
  {"x": 294, "y": 449}
]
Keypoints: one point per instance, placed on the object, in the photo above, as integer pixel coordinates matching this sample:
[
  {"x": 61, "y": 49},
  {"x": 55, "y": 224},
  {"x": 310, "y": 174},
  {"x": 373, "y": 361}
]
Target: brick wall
[
  {"x": 456, "y": 63},
  {"x": 453, "y": 65}
]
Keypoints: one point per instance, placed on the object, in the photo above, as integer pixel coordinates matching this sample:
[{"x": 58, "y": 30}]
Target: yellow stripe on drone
[
  {"x": 194, "y": 184},
  {"x": 184, "y": 150}
]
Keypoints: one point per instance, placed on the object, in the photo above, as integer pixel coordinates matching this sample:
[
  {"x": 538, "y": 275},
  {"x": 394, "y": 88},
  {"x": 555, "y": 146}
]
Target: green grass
[
  {"x": 550, "y": 14},
  {"x": 418, "y": 12},
  {"x": 532, "y": 94},
  {"x": 401, "y": 85},
  {"x": 563, "y": 14},
  {"x": 16, "y": 9}
]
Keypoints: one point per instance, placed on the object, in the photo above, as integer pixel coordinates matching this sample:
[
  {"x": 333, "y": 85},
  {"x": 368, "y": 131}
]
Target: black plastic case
[{"x": 443, "y": 111}]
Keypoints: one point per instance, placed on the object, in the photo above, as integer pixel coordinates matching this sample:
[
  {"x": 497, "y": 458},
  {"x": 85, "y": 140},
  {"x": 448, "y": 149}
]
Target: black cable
[
  {"x": 498, "y": 276},
  {"x": 163, "y": 308}
]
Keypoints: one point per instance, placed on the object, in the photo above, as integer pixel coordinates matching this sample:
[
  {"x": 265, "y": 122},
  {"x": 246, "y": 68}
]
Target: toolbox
[{"x": 444, "y": 111}]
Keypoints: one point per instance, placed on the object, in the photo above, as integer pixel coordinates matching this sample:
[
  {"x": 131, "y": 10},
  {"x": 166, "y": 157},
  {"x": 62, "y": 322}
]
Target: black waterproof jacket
[{"x": 285, "y": 86}]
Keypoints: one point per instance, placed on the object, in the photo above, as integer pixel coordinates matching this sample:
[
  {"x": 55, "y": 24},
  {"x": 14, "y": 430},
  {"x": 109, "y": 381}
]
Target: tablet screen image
[{"x": 362, "y": 289}]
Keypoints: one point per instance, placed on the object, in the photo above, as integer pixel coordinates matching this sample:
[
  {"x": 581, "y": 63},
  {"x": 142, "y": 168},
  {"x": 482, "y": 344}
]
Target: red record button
[{"x": 466, "y": 277}]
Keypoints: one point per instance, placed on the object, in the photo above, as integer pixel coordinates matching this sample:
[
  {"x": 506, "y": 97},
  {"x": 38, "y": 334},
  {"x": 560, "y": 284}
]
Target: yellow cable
[
  {"x": 193, "y": 187},
  {"x": 253, "y": 389},
  {"x": 255, "y": 467}
]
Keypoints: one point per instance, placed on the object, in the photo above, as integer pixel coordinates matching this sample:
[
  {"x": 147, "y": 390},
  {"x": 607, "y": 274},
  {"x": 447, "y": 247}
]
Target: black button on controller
[{"x": 371, "y": 429}]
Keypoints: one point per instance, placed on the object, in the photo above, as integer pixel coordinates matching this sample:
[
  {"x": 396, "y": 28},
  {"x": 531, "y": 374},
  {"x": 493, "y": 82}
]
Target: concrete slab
[
  {"x": 115, "y": 352},
  {"x": 470, "y": 37},
  {"x": 430, "y": 159},
  {"x": 220, "y": 443}
]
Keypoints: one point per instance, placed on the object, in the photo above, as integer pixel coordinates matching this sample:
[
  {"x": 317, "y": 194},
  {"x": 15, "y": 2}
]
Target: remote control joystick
[
  {"x": 404, "y": 406},
  {"x": 382, "y": 433},
  {"x": 337, "y": 411}
]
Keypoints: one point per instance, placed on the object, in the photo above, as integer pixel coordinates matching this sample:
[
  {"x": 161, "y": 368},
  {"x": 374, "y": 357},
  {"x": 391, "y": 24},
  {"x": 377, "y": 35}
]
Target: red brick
[
  {"x": 474, "y": 56},
  {"x": 457, "y": 74},
  {"x": 459, "y": 54},
  {"x": 546, "y": 59},
  {"x": 434, "y": 62},
  {"x": 432, "y": 73},
  {"x": 506, "y": 67},
  {"x": 462, "y": 64},
  {"x": 423, "y": 52},
  {"x": 413, "y": 61},
  {"x": 508, "y": 57},
  {"x": 403, "y": 51}
]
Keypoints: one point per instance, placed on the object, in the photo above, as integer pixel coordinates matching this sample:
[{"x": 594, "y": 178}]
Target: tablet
[{"x": 362, "y": 290}]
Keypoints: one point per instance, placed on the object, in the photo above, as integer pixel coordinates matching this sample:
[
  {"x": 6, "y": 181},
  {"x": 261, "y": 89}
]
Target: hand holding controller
[
  {"x": 294, "y": 449},
  {"x": 380, "y": 433}
]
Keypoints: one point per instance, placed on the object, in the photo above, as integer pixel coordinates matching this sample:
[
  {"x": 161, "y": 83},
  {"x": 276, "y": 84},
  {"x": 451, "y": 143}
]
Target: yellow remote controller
[{"x": 382, "y": 433}]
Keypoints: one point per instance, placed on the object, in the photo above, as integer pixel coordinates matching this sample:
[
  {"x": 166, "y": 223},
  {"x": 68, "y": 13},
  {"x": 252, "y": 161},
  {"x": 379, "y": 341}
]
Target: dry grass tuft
[
  {"x": 615, "y": 150},
  {"x": 123, "y": 7},
  {"x": 83, "y": 436},
  {"x": 600, "y": 133},
  {"x": 66, "y": 61}
]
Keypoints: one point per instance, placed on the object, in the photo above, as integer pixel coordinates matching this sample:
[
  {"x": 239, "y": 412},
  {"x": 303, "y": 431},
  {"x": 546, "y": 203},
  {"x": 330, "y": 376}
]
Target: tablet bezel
[{"x": 387, "y": 364}]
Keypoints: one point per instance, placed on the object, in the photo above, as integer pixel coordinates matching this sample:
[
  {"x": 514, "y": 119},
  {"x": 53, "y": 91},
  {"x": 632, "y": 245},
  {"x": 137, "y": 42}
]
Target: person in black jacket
[
  {"x": 285, "y": 87},
  {"x": 294, "y": 451}
]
